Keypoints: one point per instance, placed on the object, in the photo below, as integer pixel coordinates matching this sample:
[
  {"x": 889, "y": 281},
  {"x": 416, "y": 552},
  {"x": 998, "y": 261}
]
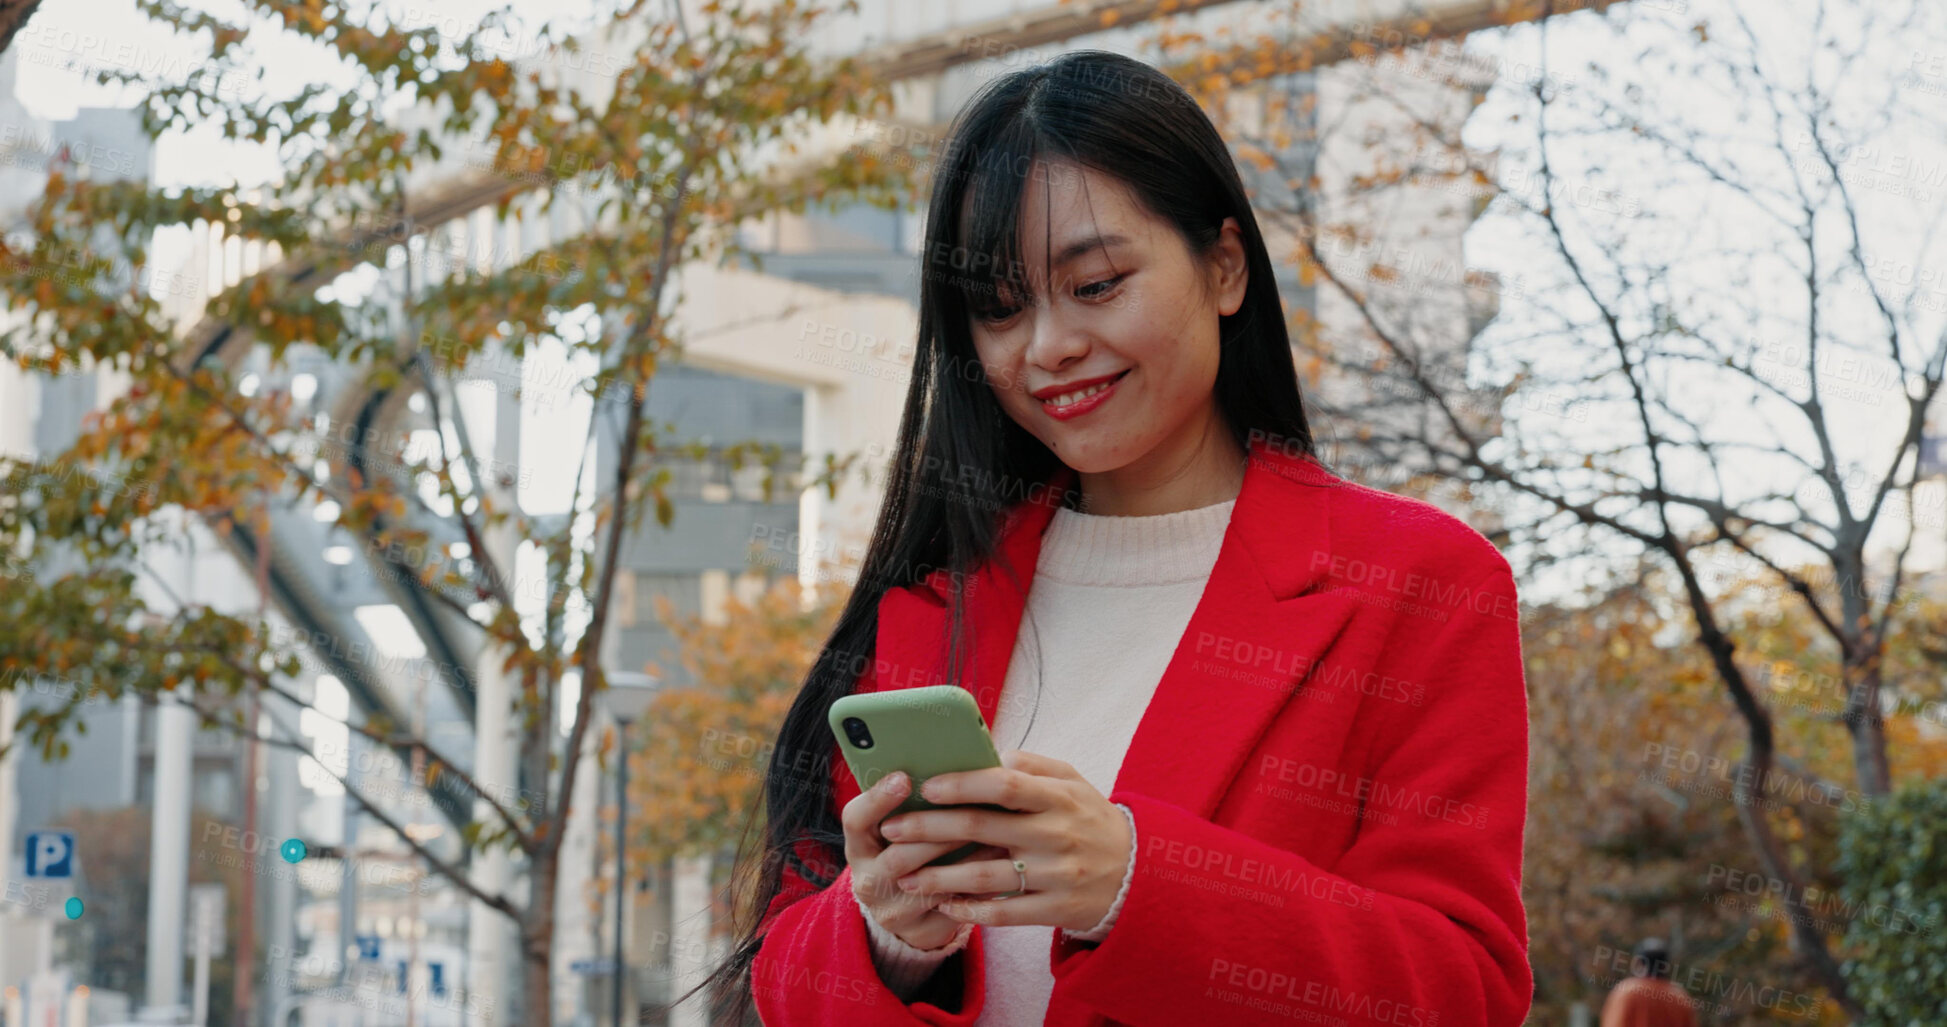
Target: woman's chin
[{"x": 1087, "y": 460}]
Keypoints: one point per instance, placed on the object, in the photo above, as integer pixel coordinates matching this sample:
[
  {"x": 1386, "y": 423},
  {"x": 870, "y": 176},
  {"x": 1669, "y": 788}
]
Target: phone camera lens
[{"x": 856, "y": 731}]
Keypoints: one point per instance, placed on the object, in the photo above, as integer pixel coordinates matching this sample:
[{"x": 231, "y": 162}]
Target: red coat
[{"x": 1329, "y": 786}]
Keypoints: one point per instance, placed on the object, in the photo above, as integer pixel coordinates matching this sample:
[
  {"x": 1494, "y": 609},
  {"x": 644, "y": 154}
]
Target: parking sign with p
[{"x": 50, "y": 854}]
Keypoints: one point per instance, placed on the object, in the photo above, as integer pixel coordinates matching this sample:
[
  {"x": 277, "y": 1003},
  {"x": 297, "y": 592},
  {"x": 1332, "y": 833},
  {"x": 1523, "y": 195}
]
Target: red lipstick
[{"x": 1080, "y": 406}]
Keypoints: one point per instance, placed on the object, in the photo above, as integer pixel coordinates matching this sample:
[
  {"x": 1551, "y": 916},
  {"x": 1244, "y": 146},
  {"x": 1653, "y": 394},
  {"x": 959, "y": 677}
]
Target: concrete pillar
[
  {"x": 813, "y": 507},
  {"x": 689, "y": 932},
  {"x": 19, "y": 406},
  {"x": 9, "y": 712},
  {"x": 492, "y": 940},
  {"x": 571, "y": 895},
  {"x": 169, "y": 857}
]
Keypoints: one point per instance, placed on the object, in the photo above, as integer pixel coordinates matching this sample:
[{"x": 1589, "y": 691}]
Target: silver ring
[{"x": 1021, "y": 869}]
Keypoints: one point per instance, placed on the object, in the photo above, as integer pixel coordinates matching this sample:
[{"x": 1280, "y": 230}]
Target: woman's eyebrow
[{"x": 1081, "y": 246}]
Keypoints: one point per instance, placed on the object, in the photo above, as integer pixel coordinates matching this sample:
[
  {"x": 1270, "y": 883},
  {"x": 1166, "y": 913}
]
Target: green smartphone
[{"x": 922, "y": 731}]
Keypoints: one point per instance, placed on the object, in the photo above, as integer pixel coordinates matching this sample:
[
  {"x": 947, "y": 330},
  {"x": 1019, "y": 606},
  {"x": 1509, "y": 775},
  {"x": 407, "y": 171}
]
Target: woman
[{"x": 1264, "y": 734}]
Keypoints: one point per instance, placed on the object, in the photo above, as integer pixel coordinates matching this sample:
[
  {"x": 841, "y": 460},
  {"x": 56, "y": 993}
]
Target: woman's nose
[{"x": 1056, "y": 338}]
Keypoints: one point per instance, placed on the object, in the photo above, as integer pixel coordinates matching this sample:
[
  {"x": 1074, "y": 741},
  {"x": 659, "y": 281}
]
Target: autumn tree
[
  {"x": 663, "y": 147},
  {"x": 699, "y": 756},
  {"x": 1695, "y": 321},
  {"x": 700, "y": 765},
  {"x": 1633, "y": 831}
]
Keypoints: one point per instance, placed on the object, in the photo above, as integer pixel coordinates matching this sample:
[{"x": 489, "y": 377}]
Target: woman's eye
[
  {"x": 1097, "y": 290},
  {"x": 996, "y": 315}
]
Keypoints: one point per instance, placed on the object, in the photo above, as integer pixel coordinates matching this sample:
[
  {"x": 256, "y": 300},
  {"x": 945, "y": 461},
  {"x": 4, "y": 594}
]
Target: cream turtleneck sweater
[{"x": 1110, "y": 600}]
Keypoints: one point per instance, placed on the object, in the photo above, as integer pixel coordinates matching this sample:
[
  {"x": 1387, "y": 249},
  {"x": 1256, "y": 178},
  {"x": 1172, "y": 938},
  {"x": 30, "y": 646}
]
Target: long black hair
[{"x": 959, "y": 457}]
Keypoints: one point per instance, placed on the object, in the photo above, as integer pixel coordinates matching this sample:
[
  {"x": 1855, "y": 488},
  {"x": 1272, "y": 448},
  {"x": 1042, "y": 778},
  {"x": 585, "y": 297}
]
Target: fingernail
[
  {"x": 906, "y": 884},
  {"x": 896, "y": 781}
]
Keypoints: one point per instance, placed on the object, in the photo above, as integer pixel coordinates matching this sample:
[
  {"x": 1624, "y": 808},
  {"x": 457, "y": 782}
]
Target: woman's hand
[
  {"x": 876, "y": 865},
  {"x": 1075, "y": 842}
]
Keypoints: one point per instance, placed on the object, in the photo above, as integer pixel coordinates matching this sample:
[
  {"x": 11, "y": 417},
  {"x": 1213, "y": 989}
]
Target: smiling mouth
[
  {"x": 1080, "y": 401},
  {"x": 1071, "y": 398}
]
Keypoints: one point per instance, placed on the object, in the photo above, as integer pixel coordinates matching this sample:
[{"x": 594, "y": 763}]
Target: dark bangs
[{"x": 976, "y": 263}]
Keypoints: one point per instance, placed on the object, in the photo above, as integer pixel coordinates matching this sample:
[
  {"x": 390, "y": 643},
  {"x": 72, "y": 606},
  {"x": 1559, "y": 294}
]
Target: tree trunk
[
  {"x": 1806, "y": 940},
  {"x": 1749, "y": 790},
  {"x": 1860, "y": 667},
  {"x": 1867, "y": 726},
  {"x": 537, "y": 940}
]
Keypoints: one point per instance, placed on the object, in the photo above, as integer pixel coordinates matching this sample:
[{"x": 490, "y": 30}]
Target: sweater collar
[
  {"x": 1174, "y": 548},
  {"x": 1276, "y": 547},
  {"x": 1280, "y": 519}
]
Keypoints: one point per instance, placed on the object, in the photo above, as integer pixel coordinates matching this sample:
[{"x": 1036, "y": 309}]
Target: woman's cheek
[
  {"x": 992, "y": 370},
  {"x": 1005, "y": 381}
]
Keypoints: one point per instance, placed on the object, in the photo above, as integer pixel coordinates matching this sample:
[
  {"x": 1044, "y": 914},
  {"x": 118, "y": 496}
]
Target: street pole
[
  {"x": 627, "y": 698},
  {"x": 347, "y": 873},
  {"x": 199, "y": 1009},
  {"x": 280, "y": 821},
  {"x": 621, "y": 856},
  {"x": 412, "y": 898},
  {"x": 241, "y": 997}
]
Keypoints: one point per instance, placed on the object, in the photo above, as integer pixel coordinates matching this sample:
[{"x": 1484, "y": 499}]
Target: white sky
[{"x": 1726, "y": 262}]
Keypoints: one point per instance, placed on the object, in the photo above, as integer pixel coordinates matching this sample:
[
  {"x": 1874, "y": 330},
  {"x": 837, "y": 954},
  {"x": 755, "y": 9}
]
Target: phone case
[{"x": 922, "y": 731}]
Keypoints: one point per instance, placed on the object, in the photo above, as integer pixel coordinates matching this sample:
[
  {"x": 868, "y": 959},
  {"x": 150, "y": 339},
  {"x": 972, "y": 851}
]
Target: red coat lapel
[{"x": 1258, "y": 630}]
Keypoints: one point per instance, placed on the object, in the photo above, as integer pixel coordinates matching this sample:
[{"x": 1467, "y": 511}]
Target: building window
[
  {"x": 684, "y": 592},
  {"x": 750, "y": 587},
  {"x": 715, "y": 584},
  {"x": 624, "y": 599},
  {"x": 214, "y": 790},
  {"x": 748, "y": 483}
]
